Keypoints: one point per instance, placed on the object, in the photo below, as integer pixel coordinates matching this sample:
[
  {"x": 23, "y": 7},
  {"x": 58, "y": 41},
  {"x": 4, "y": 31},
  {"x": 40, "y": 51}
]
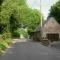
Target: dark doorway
[{"x": 53, "y": 37}]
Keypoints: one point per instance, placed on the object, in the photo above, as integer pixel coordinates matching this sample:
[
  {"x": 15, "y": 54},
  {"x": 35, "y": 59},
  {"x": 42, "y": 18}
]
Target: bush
[
  {"x": 4, "y": 44},
  {"x": 15, "y": 34},
  {"x": 6, "y": 35},
  {"x": 8, "y": 41},
  {"x": 2, "y": 47}
]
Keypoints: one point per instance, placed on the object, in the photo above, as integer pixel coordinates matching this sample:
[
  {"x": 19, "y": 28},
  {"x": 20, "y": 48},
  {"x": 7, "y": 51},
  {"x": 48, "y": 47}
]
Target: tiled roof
[{"x": 51, "y": 25}]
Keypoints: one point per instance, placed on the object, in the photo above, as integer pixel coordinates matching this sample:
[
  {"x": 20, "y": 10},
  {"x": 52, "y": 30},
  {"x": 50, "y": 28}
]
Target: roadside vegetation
[{"x": 16, "y": 18}]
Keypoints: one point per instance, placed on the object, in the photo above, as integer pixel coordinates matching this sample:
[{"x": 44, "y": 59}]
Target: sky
[{"x": 45, "y": 5}]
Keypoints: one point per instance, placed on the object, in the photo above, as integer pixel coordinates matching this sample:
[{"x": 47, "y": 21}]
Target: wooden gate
[{"x": 53, "y": 37}]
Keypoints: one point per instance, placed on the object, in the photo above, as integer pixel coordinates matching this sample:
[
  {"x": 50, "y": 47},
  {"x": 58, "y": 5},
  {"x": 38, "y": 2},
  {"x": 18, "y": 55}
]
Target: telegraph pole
[
  {"x": 41, "y": 18},
  {"x": 41, "y": 12}
]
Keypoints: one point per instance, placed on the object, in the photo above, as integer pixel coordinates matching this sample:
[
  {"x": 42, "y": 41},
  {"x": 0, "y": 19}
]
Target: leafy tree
[
  {"x": 55, "y": 11},
  {"x": 1, "y": 1},
  {"x": 16, "y": 14}
]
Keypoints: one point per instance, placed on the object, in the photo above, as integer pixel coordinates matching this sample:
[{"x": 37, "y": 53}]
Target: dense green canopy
[
  {"x": 16, "y": 14},
  {"x": 55, "y": 11}
]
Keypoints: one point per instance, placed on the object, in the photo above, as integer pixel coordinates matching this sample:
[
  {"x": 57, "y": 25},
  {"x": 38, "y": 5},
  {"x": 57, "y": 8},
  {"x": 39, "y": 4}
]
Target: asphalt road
[{"x": 30, "y": 51}]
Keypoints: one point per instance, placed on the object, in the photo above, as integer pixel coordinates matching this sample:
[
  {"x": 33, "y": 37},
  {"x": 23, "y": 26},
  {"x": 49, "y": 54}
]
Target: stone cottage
[
  {"x": 50, "y": 30},
  {"x": 37, "y": 34}
]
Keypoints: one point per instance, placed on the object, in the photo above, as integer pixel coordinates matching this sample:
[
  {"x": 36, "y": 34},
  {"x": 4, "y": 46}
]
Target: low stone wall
[{"x": 45, "y": 42}]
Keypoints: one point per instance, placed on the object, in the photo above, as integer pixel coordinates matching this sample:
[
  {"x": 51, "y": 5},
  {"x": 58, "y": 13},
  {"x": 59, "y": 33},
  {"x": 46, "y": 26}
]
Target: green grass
[{"x": 4, "y": 44}]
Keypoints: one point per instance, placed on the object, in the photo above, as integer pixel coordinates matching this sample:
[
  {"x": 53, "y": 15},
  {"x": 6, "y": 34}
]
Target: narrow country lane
[{"x": 30, "y": 51}]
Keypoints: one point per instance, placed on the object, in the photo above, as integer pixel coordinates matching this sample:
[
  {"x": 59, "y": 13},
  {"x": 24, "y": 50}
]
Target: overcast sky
[{"x": 45, "y": 5}]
